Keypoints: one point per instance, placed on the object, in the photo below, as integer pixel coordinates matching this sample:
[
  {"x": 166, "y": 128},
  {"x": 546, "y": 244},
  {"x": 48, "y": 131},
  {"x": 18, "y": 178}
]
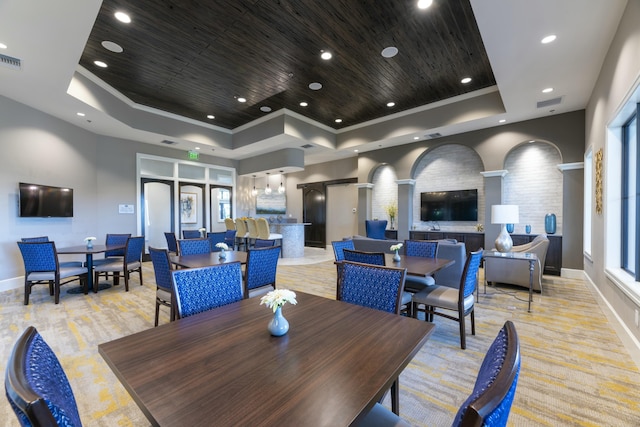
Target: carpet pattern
[{"x": 575, "y": 369}]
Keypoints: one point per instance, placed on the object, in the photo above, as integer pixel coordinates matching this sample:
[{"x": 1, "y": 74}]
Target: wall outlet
[
  {"x": 355, "y": 210},
  {"x": 637, "y": 318}
]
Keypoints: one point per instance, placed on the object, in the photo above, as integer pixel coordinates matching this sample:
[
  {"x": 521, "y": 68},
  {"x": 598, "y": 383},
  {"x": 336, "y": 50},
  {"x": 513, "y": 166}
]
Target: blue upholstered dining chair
[
  {"x": 36, "y": 386},
  {"x": 419, "y": 248},
  {"x": 191, "y": 234},
  {"x": 162, "y": 271},
  {"x": 46, "y": 239},
  {"x": 130, "y": 263},
  {"x": 201, "y": 289},
  {"x": 115, "y": 254},
  {"x": 260, "y": 274},
  {"x": 215, "y": 238},
  {"x": 41, "y": 266},
  {"x": 264, "y": 243},
  {"x": 375, "y": 228},
  {"x": 459, "y": 300},
  {"x": 172, "y": 242},
  {"x": 194, "y": 246},
  {"x": 372, "y": 286},
  {"x": 490, "y": 401},
  {"x": 230, "y": 237},
  {"x": 339, "y": 246}
]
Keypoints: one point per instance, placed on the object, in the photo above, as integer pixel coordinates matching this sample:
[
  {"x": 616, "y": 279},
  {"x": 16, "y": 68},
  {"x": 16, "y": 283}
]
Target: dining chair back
[
  {"x": 131, "y": 262},
  {"x": 36, "y": 385},
  {"x": 46, "y": 239},
  {"x": 215, "y": 238},
  {"x": 252, "y": 228},
  {"x": 492, "y": 397},
  {"x": 242, "y": 233},
  {"x": 41, "y": 266},
  {"x": 201, "y": 289},
  {"x": 228, "y": 222},
  {"x": 460, "y": 300},
  {"x": 260, "y": 274},
  {"x": 375, "y": 258},
  {"x": 339, "y": 246},
  {"x": 172, "y": 242},
  {"x": 230, "y": 238},
  {"x": 372, "y": 286},
  {"x": 162, "y": 271},
  {"x": 191, "y": 234},
  {"x": 375, "y": 228},
  {"x": 194, "y": 246},
  {"x": 424, "y": 249},
  {"x": 115, "y": 254},
  {"x": 264, "y": 243}
]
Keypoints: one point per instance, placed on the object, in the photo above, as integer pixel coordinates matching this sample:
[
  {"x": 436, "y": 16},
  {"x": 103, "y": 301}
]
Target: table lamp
[{"x": 504, "y": 214}]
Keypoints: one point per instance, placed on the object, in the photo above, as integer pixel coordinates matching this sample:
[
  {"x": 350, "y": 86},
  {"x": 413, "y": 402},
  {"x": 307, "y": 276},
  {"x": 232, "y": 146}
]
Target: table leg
[
  {"x": 531, "y": 267},
  {"x": 395, "y": 397},
  {"x": 90, "y": 273}
]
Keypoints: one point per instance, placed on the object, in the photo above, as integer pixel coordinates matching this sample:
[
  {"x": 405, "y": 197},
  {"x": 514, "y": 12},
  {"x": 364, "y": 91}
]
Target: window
[
  {"x": 224, "y": 204},
  {"x": 629, "y": 197}
]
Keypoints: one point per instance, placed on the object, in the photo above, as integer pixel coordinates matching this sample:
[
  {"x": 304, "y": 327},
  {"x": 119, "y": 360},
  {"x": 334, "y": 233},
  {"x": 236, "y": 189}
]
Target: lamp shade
[{"x": 505, "y": 214}]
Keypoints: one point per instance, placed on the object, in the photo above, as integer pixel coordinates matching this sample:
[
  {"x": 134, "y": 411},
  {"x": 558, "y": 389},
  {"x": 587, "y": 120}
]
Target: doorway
[
  {"x": 314, "y": 212},
  {"x": 157, "y": 211}
]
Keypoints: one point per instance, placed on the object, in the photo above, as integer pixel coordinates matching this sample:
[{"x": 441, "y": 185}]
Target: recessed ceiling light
[
  {"x": 80, "y": 114},
  {"x": 531, "y": 141},
  {"x": 391, "y": 104},
  {"x": 265, "y": 109},
  {"x": 466, "y": 80},
  {"x": 502, "y": 120},
  {"x": 547, "y": 90},
  {"x": 210, "y": 116},
  {"x": 197, "y": 148},
  {"x": 326, "y": 55},
  {"x": 242, "y": 100},
  {"x": 3, "y": 46},
  {"x": 122, "y": 17},
  {"x": 113, "y": 47},
  {"x": 356, "y": 150},
  {"x": 548, "y": 39},
  {"x": 423, "y": 4},
  {"x": 315, "y": 86},
  {"x": 100, "y": 64},
  {"x": 416, "y": 138},
  {"x": 338, "y": 120},
  {"x": 389, "y": 52},
  {"x": 304, "y": 104}
]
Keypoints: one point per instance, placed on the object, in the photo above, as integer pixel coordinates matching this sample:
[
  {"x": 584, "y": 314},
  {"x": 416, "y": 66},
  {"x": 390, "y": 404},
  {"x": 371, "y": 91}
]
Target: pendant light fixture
[
  {"x": 254, "y": 192},
  {"x": 281, "y": 188},
  {"x": 267, "y": 190}
]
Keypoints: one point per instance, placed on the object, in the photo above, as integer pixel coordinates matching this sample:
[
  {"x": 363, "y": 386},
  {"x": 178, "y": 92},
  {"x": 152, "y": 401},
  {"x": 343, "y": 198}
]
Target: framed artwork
[
  {"x": 271, "y": 204},
  {"x": 188, "y": 208},
  {"x": 599, "y": 173}
]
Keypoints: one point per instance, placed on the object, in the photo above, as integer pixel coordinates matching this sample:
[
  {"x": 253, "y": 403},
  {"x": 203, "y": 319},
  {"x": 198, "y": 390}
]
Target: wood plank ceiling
[{"x": 196, "y": 57}]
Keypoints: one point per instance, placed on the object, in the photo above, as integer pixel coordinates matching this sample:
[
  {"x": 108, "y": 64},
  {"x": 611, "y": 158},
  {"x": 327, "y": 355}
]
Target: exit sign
[{"x": 194, "y": 155}]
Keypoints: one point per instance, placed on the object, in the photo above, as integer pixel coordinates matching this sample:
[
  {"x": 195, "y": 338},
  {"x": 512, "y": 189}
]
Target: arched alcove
[
  {"x": 385, "y": 191},
  {"x": 534, "y": 183},
  {"x": 445, "y": 168}
]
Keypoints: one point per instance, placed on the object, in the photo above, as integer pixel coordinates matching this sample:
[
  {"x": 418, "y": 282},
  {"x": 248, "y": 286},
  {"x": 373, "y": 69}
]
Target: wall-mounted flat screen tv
[
  {"x": 45, "y": 201},
  {"x": 459, "y": 205}
]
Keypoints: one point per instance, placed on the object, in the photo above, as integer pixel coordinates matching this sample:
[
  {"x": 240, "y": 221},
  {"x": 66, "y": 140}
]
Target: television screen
[
  {"x": 45, "y": 201},
  {"x": 459, "y": 205}
]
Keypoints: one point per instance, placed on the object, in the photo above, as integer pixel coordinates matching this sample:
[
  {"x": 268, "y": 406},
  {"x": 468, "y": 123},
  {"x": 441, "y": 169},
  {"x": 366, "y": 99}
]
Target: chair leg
[
  {"x": 463, "y": 342},
  {"x": 126, "y": 280},
  {"x": 140, "y": 274},
  {"x": 57, "y": 292},
  {"x": 27, "y": 291},
  {"x": 473, "y": 322},
  {"x": 157, "y": 312}
]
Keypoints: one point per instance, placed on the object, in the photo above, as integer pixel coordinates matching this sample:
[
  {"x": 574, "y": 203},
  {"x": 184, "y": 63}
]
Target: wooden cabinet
[
  {"x": 391, "y": 234},
  {"x": 472, "y": 241},
  {"x": 553, "y": 260}
]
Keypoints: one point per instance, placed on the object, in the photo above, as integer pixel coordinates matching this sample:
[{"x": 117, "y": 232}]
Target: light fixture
[
  {"x": 267, "y": 190},
  {"x": 254, "y": 192},
  {"x": 281, "y": 188},
  {"x": 123, "y": 17},
  {"x": 100, "y": 64},
  {"x": 423, "y": 4},
  {"x": 466, "y": 80},
  {"x": 391, "y": 104},
  {"x": 326, "y": 55},
  {"x": 504, "y": 214},
  {"x": 548, "y": 39},
  {"x": 304, "y": 104},
  {"x": 547, "y": 90},
  {"x": 210, "y": 116}
]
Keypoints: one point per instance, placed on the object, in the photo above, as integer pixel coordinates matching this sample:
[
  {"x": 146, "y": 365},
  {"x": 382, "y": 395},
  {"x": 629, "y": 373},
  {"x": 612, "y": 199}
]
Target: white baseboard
[{"x": 13, "y": 283}]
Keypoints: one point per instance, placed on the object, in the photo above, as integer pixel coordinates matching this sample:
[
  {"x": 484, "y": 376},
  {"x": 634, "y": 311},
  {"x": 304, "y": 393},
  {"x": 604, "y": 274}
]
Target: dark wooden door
[{"x": 314, "y": 211}]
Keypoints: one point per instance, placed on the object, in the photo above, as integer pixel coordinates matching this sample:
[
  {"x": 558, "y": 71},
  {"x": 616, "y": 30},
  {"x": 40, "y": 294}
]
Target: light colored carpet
[{"x": 575, "y": 371}]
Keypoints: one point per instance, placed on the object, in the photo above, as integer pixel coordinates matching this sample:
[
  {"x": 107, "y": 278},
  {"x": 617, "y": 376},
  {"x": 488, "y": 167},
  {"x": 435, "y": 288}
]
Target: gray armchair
[{"x": 516, "y": 272}]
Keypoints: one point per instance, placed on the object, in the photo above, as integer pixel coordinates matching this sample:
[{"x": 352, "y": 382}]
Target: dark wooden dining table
[
  {"x": 417, "y": 265},
  {"x": 208, "y": 259},
  {"x": 223, "y": 368},
  {"x": 89, "y": 252}
]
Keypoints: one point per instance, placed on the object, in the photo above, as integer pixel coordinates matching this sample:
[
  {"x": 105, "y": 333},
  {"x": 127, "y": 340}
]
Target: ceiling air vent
[
  {"x": 10, "y": 62},
  {"x": 549, "y": 102},
  {"x": 166, "y": 141},
  {"x": 434, "y": 135},
  {"x": 305, "y": 146}
]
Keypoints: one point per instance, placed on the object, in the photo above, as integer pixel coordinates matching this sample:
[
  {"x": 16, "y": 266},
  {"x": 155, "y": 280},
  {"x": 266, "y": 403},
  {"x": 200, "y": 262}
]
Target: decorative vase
[
  {"x": 278, "y": 326},
  {"x": 89, "y": 244},
  {"x": 510, "y": 228},
  {"x": 222, "y": 254},
  {"x": 550, "y": 223},
  {"x": 527, "y": 229},
  {"x": 396, "y": 257},
  {"x": 392, "y": 220}
]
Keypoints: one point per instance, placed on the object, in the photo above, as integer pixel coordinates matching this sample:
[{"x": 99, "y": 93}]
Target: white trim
[
  {"x": 365, "y": 185},
  {"x": 406, "y": 182},
  {"x": 571, "y": 273},
  {"x": 490, "y": 174},
  {"x": 571, "y": 166},
  {"x": 12, "y": 283}
]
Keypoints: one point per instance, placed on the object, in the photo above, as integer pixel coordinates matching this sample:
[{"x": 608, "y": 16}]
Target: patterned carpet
[{"x": 575, "y": 369}]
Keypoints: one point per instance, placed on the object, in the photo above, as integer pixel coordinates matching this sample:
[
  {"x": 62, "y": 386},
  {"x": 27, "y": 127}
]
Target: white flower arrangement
[
  {"x": 202, "y": 230},
  {"x": 223, "y": 246},
  {"x": 89, "y": 239},
  {"x": 278, "y": 298},
  {"x": 396, "y": 247}
]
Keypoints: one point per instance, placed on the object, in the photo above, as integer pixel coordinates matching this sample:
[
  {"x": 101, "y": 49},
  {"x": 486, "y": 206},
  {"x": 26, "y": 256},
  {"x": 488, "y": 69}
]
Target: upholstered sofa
[
  {"x": 447, "y": 249},
  {"x": 516, "y": 272}
]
